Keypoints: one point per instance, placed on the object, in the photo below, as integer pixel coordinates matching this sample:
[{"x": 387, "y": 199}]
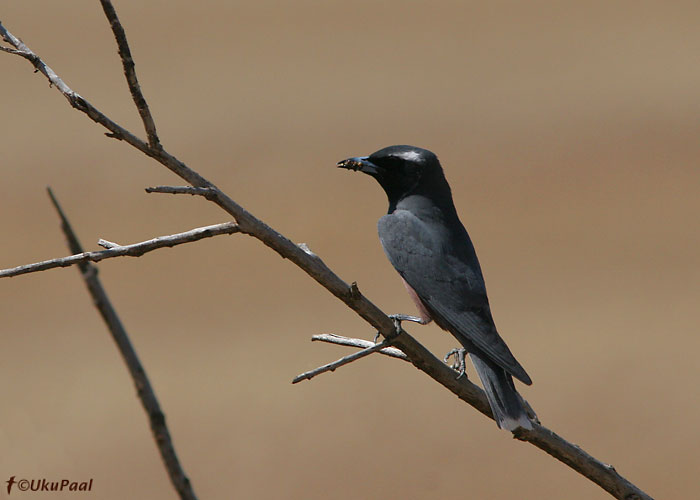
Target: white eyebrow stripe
[{"x": 409, "y": 155}]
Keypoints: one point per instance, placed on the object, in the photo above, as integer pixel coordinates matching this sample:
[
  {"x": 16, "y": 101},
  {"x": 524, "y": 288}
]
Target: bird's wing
[{"x": 448, "y": 281}]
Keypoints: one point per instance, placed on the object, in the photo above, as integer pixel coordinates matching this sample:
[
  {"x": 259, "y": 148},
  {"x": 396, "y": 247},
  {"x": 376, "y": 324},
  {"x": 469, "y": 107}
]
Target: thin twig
[
  {"x": 330, "y": 367},
  {"x": 144, "y": 389},
  {"x": 130, "y": 73},
  {"x": 80, "y": 103},
  {"x": 20, "y": 49},
  {"x": 201, "y": 191},
  {"x": 332, "y": 338},
  {"x": 603, "y": 475},
  {"x": 133, "y": 250},
  {"x": 107, "y": 244}
]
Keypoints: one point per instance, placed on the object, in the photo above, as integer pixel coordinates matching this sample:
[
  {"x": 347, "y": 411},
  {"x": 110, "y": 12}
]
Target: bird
[{"x": 425, "y": 241}]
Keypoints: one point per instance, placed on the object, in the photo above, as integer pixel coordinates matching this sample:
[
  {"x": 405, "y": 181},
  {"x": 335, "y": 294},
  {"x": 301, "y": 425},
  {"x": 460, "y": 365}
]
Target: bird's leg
[
  {"x": 459, "y": 363},
  {"x": 405, "y": 317},
  {"x": 398, "y": 318}
]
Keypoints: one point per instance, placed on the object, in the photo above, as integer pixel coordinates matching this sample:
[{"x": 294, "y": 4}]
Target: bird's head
[{"x": 402, "y": 171}]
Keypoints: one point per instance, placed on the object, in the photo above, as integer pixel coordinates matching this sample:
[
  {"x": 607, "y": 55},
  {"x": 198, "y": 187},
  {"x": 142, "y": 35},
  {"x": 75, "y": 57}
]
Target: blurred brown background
[{"x": 569, "y": 133}]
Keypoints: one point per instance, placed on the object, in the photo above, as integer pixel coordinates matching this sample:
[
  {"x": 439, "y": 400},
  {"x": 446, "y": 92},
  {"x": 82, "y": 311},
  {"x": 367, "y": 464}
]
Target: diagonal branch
[
  {"x": 602, "y": 474},
  {"x": 133, "y": 250},
  {"x": 130, "y": 73},
  {"x": 138, "y": 374}
]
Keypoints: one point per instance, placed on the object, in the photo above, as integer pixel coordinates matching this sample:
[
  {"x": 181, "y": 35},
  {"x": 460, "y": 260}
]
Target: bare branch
[
  {"x": 331, "y": 338},
  {"x": 20, "y": 49},
  {"x": 598, "y": 472},
  {"x": 81, "y": 104},
  {"x": 201, "y": 191},
  {"x": 144, "y": 389},
  {"x": 330, "y": 367},
  {"x": 130, "y": 73},
  {"x": 134, "y": 250}
]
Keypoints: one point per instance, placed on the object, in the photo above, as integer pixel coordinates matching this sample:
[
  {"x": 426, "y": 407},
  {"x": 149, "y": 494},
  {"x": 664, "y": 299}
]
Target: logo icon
[{"x": 10, "y": 482}]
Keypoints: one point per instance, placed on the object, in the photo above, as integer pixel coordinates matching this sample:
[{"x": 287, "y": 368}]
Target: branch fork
[{"x": 342, "y": 361}]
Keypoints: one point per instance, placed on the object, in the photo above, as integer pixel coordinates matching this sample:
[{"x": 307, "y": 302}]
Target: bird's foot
[
  {"x": 459, "y": 364},
  {"x": 398, "y": 318}
]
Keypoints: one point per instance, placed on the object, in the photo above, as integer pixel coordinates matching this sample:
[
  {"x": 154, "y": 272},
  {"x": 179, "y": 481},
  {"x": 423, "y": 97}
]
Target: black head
[{"x": 403, "y": 171}]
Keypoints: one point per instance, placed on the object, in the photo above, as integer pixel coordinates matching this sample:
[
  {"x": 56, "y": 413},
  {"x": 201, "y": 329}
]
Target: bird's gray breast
[
  {"x": 409, "y": 243},
  {"x": 419, "y": 251},
  {"x": 430, "y": 258}
]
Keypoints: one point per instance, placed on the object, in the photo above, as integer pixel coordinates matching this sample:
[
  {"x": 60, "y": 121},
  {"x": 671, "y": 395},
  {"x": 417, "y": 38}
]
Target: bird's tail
[{"x": 506, "y": 405}]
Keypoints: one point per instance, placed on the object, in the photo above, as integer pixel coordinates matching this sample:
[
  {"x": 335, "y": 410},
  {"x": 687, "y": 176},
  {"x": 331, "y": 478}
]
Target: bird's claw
[
  {"x": 450, "y": 353},
  {"x": 397, "y": 323},
  {"x": 459, "y": 363},
  {"x": 398, "y": 318}
]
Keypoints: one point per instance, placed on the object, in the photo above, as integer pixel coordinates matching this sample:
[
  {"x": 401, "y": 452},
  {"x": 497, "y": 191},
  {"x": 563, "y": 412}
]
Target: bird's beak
[{"x": 360, "y": 163}]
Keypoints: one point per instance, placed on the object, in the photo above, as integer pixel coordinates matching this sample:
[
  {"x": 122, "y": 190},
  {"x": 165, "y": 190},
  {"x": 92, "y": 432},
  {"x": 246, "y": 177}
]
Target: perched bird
[{"x": 427, "y": 244}]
